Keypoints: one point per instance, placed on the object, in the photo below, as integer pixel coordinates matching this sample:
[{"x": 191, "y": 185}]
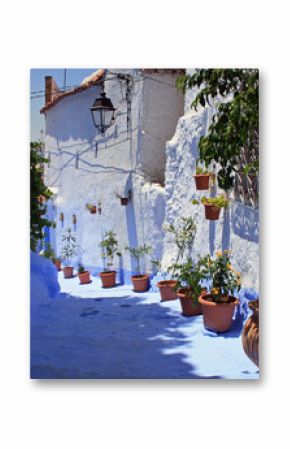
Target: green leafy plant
[
  {"x": 224, "y": 279},
  {"x": 138, "y": 254},
  {"x": 49, "y": 253},
  {"x": 190, "y": 277},
  {"x": 201, "y": 171},
  {"x": 81, "y": 269},
  {"x": 218, "y": 201},
  {"x": 183, "y": 235},
  {"x": 39, "y": 193},
  {"x": 109, "y": 247},
  {"x": 235, "y": 124},
  {"x": 70, "y": 248}
]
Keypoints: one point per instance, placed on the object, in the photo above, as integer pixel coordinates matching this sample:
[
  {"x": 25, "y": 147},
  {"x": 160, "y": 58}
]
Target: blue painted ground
[{"x": 85, "y": 332}]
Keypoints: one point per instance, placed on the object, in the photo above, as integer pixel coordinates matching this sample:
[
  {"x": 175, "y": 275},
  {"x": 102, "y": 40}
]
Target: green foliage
[
  {"x": 189, "y": 276},
  {"x": 139, "y": 253},
  {"x": 183, "y": 235},
  {"x": 49, "y": 253},
  {"x": 218, "y": 201},
  {"x": 156, "y": 262},
  {"x": 236, "y": 122},
  {"x": 81, "y": 269},
  {"x": 39, "y": 193},
  {"x": 201, "y": 171},
  {"x": 222, "y": 276},
  {"x": 70, "y": 248},
  {"x": 109, "y": 247}
]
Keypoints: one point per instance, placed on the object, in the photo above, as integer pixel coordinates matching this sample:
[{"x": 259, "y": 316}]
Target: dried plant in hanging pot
[
  {"x": 74, "y": 219},
  {"x": 124, "y": 200},
  {"x": 201, "y": 179},
  {"x": 92, "y": 208},
  {"x": 61, "y": 217}
]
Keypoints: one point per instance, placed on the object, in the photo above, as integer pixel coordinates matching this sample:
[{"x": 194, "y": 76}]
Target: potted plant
[
  {"x": 69, "y": 250},
  {"x": 250, "y": 336},
  {"x": 188, "y": 286},
  {"x": 183, "y": 237},
  {"x": 201, "y": 178},
  {"x": 109, "y": 247},
  {"x": 50, "y": 254},
  {"x": 218, "y": 306},
  {"x": 84, "y": 276},
  {"x": 166, "y": 287},
  {"x": 92, "y": 208},
  {"x": 212, "y": 206},
  {"x": 124, "y": 200},
  {"x": 140, "y": 281}
]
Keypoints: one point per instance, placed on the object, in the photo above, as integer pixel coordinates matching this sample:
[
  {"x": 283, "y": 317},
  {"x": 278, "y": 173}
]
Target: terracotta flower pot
[
  {"x": 217, "y": 317},
  {"x": 124, "y": 201},
  {"x": 68, "y": 272},
  {"x": 84, "y": 277},
  {"x": 250, "y": 335},
  {"x": 189, "y": 308},
  {"x": 201, "y": 182},
  {"x": 108, "y": 278},
  {"x": 211, "y": 212},
  {"x": 167, "y": 291},
  {"x": 93, "y": 209},
  {"x": 57, "y": 265},
  {"x": 140, "y": 282}
]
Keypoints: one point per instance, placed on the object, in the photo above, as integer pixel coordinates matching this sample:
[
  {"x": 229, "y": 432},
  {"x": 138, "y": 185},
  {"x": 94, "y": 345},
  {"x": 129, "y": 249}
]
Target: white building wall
[
  {"x": 162, "y": 107},
  {"x": 70, "y": 141},
  {"x": 238, "y": 227}
]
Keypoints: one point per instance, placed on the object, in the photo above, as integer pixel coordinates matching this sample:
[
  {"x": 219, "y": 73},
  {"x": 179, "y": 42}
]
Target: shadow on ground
[{"x": 108, "y": 338}]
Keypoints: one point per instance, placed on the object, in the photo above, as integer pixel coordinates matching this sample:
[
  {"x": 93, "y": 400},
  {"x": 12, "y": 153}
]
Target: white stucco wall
[
  {"x": 119, "y": 164},
  {"x": 238, "y": 227},
  {"x": 162, "y": 106}
]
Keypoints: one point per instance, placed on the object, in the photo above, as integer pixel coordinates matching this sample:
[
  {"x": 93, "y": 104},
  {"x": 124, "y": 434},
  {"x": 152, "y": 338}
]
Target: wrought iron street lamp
[{"x": 103, "y": 112}]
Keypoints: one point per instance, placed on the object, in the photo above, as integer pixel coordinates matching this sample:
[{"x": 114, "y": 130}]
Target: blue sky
[{"x": 73, "y": 77}]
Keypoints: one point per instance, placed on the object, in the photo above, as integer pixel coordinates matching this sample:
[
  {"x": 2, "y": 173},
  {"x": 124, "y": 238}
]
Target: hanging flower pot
[
  {"x": 217, "y": 316},
  {"x": 68, "y": 272},
  {"x": 92, "y": 208},
  {"x": 201, "y": 181},
  {"x": 124, "y": 198},
  {"x": 250, "y": 336},
  {"x": 212, "y": 206},
  {"x": 140, "y": 282},
  {"x": 211, "y": 212},
  {"x": 108, "y": 278},
  {"x": 167, "y": 291},
  {"x": 124, "y": 201},
  {"x": 189, "y": 307}
]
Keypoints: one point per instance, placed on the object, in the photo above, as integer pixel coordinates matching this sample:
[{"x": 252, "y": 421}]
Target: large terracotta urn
[{"x": 250, "y": 335}]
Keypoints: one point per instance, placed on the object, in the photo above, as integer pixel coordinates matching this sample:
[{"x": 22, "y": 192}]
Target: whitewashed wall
[
  {"x": 122, "y": 163},
  {"x": 238, "y": 227}
]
